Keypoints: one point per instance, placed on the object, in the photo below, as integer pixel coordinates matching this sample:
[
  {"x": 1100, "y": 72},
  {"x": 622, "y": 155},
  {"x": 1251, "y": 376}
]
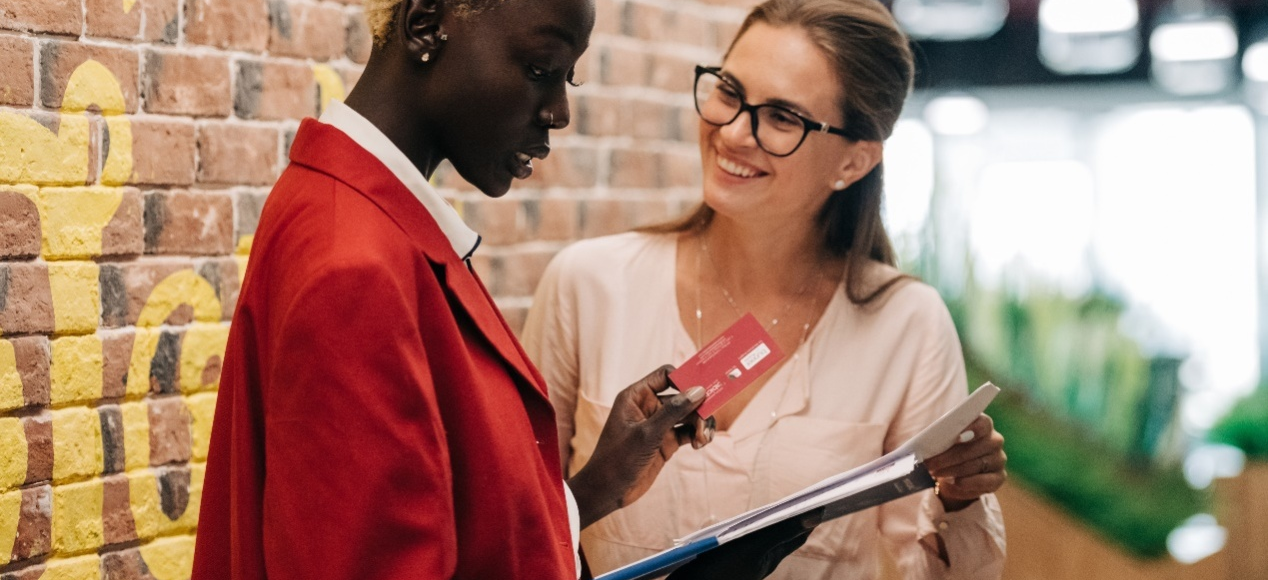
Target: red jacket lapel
[{"x": 362, "y": 171}]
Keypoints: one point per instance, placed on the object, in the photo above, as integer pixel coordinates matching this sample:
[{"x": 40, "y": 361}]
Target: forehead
[
  {"x": 784, "y": 63},
  {"x": 568, "y": 22}
]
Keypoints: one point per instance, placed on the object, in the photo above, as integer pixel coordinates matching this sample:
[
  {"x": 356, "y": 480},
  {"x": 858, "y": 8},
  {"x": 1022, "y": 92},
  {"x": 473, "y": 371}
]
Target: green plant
[{"x": 1246, "y": 426}]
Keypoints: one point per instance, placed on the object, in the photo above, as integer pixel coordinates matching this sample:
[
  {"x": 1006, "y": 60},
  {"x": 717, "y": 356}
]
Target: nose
[
  {"x": 555, "y": 112},
  {"x": 739, "y": 133}
]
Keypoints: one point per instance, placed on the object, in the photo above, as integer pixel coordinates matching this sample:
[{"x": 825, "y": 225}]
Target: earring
[
  {"x": 839, "y": 185},
  {"x": 444, "y": 37},
  {"x": 426, "y": 56}
]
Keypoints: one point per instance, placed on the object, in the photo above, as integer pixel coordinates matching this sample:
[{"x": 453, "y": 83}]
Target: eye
[
  {"x": 537, "y": 73},
  {"x": 728, "y": 93},
  {"x": 572, "y": 78},
  {"x": 781, "y": 119}
]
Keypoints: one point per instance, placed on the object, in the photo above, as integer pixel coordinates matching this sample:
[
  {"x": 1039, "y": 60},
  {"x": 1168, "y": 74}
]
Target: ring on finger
[{"x": 985, "y": 465}]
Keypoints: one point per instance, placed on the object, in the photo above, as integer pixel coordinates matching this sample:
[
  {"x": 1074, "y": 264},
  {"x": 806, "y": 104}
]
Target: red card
[{"x": 728, "y": 364}]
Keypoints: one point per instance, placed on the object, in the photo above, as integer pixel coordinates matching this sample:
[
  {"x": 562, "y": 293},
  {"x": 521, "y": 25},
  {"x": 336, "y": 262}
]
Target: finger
[
  {"x": 675, "y": 410},
  {"x": 705, "y": 430},
  {"x": 972, "y": 487},
  {"x": 986, "y": 463},
  {"x": 657, "y": 380},
  {"x": 973, "y": 447}
]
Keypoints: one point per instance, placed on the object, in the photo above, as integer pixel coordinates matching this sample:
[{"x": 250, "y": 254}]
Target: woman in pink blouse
[{"x": 791, "y": 132}]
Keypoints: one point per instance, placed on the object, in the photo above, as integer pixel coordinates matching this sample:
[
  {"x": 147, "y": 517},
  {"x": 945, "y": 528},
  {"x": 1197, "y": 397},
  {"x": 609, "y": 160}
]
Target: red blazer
[{"x": 377, "y": 418}]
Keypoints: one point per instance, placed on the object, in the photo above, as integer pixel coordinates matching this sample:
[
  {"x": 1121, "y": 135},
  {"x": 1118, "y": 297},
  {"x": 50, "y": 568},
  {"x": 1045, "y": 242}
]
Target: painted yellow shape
[
  {"x": 118, "y": 167},
  {"x": 202, "y": 409},
  {"x": 144, "y": 345},
  {"x": 136, "y": 435},
  {"x": 13, "y": 457},
  {"x": 93, "y": 84},
  {"x": 76, "y": 444},
  {"x": 81, "y": 568},
  {"x": 127, "y": 5},
  {"x": 201, "y": 343},
  {"x": 189, "y": 520},
  {"x": 10, "y": 513},
  {"x": 73, "y": 219},
  {"x": 242, "y": 269},
  {"x": 10, "y": 380},
  {"x": 244, "y": 245},
  {"x": 147, "y": 510},
  {"x": 76, "y": 372},
  {"x": 77, "y": 525},
  {"x": 76, "y": 297},
  {"x": 30, "y": 153},
  {"x": 329, "y": 85},
  {"x": 183, "y": 287},
  {"x": 169, "y": 558}
]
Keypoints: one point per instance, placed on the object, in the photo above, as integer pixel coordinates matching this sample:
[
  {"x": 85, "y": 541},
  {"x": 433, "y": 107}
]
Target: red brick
[
  {"x": 316, "y": 31},
  {"x": 162, "y": 20},
  {"x": 522, "y": 271},
  {"x": 118, "y": 526},
  {"x": 112, "y": 444},
  {"x": 553, "y": 219},
  {"x": 634, "y": 168},
  {"x": 275, "y": 90},
  {"x": 724, "y": 33},
  {"x": 236, "y": 24},
  {"x": 35, "y": 524},
  {"x": 600, "y": 115},
  {"x": 107, "y": 19},
  {"x": 184, "y": 222},
  {"x": 222, "y": 274},
  {"x": 26, "y": 300},
  {"x": 607, "y": 17},
  {"x": 673, "y": 73},
  {"x": 170, "y": 435},
  {"x": 116, "y": 350},
  {"x": 600, "y": 217},
  {"x": 566, "y": 167},
  {"x": 19, "y": 226},
  {"x": 39, "y": 447},
  {"x": 187, "y": 84},
  {"x": 163, "y": 152},
  {"x": 33, "y": 356},
  {"x": 247, "y": 212},
  {"x": 623, "y": 66},
  {"x": 649, "y": 120},
  {"x": 17, "y": 71},
  {"x": 681, "y": 168},
  {"x": 447, "y": 178},
  {"x": 124, "y": 234},
  {"x": 237, "y": 154},
  {"x": 351, "y": 2},
  {"x": 687, "y": 28},
  {"x": 499, "y": 221},
  {"x": 642, "y": 21},
  {"x": 124, "y": 565},
  {"x": 359, "y": 39},
  {"x": 126, "y": 286},
  {"x": 56, "y": 17},
  {"x": 59, "y": 59}
]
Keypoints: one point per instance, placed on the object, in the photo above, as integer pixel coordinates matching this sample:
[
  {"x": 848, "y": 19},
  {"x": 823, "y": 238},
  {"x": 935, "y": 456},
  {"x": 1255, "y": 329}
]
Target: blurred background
[{"x": 1084, "y": 181}]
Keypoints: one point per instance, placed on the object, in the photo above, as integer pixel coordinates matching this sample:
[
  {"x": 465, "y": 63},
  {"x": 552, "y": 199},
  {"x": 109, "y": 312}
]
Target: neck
[
  {"x": 388, "y": 98},
  {"x": 768, "y": 259}
]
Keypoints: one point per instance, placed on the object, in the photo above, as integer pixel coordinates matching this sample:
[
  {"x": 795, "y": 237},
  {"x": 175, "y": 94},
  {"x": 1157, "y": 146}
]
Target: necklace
[{"x": 704, "y": 249}]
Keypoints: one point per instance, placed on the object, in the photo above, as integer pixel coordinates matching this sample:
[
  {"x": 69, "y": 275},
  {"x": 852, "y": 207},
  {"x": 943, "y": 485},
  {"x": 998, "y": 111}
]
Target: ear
[
  {"x": 861, "y": 158},
  {"x": 418, "y": 25}
]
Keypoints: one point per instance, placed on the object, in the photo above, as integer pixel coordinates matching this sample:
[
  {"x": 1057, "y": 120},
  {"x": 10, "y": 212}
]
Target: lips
[
  {"x": 522, "y": 161},
  {"x": 736, "y": 168}
]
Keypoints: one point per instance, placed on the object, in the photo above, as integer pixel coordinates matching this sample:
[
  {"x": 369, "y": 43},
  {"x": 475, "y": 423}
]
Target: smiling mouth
[{"x": 737, "y": 169}]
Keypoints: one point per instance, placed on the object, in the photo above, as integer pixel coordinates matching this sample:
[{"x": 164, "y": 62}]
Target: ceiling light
[
  {"x": 1255, "y": 70},
  {"x": 1089, "y": 36},
  {"x": 1194, "y": 51},
  {"x": 957, "y": 115},
  {"x": 950, "y": 19}
]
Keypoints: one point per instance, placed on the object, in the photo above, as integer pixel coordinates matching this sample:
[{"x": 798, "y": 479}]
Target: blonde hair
[{"x": 381, "y": 14}]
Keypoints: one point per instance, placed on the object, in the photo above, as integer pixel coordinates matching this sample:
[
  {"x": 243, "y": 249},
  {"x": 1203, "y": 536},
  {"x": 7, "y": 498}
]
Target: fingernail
[
  {"x": 695, "y": 394},
  {"x": 966, "y": 436}
]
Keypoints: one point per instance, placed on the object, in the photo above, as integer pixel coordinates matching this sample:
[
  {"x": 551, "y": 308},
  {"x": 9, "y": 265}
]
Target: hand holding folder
[{"x": 896, "y": 474}]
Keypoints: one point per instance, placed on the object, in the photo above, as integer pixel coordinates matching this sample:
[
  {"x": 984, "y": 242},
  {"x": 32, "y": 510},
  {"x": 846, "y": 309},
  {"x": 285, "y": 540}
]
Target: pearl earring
[
  {"x": 839, "y": 185},
  {"x": 426, "y": 56},
  {"x": 444, "y": 37}
]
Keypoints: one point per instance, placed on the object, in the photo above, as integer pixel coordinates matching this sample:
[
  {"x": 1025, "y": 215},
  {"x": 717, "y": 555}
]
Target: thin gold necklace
[{"x": 704, "y": 249}]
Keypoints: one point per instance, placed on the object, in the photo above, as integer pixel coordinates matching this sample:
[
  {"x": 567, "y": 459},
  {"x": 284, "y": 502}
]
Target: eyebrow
[
  {"x": 558, "y": 32},
  {"x": 785, "y": 103}
]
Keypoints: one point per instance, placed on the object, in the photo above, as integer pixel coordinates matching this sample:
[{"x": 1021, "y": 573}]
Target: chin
[{"x": 490, "y": 182}]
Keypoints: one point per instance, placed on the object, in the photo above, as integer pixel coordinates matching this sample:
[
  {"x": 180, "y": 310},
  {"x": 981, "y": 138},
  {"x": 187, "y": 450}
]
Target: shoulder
[{"x": 909, "y": 302}]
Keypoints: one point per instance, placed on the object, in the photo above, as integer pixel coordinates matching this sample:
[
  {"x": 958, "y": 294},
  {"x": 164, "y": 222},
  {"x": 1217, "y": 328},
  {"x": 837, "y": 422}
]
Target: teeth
[
  {"x": 523, "y": 157},
  {"x": 734, "y": 168}
]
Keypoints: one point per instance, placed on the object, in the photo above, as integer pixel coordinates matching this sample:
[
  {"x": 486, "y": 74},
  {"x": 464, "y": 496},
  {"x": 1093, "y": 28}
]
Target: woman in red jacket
[{"x": 377, "y": 418}]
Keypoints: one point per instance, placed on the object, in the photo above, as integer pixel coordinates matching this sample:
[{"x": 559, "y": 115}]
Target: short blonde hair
[{"x": 381, "y": 14}]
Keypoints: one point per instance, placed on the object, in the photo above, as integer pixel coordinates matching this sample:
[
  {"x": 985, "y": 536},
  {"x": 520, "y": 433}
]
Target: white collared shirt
[{"x": 463, "y": 239}]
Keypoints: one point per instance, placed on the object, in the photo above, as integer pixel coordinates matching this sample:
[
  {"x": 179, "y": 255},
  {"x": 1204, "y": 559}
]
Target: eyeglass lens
[{"x": 718, "y": 102}]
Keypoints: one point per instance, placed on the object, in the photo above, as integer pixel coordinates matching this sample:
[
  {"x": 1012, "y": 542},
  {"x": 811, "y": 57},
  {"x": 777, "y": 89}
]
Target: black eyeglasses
[{"x": 778, "y": 130}]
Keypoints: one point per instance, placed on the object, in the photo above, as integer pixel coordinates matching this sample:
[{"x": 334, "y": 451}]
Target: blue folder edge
[{"x": 662, "y": 563}]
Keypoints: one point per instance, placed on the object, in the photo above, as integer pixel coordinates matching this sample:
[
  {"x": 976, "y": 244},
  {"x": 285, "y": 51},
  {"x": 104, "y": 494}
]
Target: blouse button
[{"x": 942, "y": 526}]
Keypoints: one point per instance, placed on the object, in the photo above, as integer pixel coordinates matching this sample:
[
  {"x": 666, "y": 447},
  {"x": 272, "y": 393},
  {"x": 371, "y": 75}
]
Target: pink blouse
[{"x": 866, "y": 379}]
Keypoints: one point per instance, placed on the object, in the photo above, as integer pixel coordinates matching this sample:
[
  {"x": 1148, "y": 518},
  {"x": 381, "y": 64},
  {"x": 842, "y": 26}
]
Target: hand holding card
[{"x": 728, "y": 363}]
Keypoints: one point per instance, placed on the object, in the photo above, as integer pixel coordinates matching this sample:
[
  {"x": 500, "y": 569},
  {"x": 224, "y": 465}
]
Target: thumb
[{"x": 676, "y": 408}]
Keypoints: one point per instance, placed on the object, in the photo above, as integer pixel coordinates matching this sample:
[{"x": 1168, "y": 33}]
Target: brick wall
[{"x": 138, "y": 140}]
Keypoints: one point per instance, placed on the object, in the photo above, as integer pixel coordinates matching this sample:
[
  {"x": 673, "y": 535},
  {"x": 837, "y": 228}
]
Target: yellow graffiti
[
  {"x": 202, "y": 342},
  {"x": 127, "y": 5},
  {"x": 77, "y": 524},
  {"x": 10, "y": 380},
  {"x": 81, "y": 568},
  {"x": 143, "y": 496},
  {"x": 76, "y": 297},
  {"x": 76, "y": 444},
  {"x": 169, "y": 558},
  {"x": 202, "y": 409},
  {"x": 183, "y": 287},
  {"x": 13, "y": 461},
  {"x": 144, "y": 346},
  {"x": 74, "y": 218},
  {"x": 10, "y": 511},
  {"x": 136, "y": 435},
  {"x": 329, "y": 85},
  {"x": 75, "y": 375},
  {"x": 31, "y": 153}
]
